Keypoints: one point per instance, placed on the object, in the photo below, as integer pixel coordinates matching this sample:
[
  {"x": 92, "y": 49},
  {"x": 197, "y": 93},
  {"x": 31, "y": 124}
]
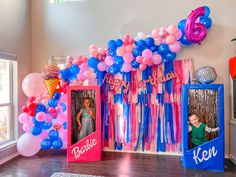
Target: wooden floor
[{"x": 112, "y": 164}]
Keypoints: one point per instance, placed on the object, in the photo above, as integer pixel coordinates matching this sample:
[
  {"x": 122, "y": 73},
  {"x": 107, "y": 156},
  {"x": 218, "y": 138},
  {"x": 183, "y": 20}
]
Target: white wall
[
  {"x": 15, "y": 37},
  {"x": 69, "y": 28}
]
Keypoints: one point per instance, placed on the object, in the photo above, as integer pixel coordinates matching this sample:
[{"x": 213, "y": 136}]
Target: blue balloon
[
  {"x": 41, "y": 108},
  {"x": 45, "y": 125},
  {"x": 53, "y": 134},
  {"x": 118, "y": 60},
  {"x": 154, "y": 48},
  {"x": 163, "y": 49},
  {"x": 112, "y": 45},
  {"x": 65, "y": 74},
  {"x": 142, "y": 48},
  {"x": 141, "y": 42},
  {"x": 136, "y": 52},
  {"x": 206, "y": 21},
  {"x": 57, "y": 144},
  {"x": 113, "y": 69},
  {"x": 181, "y": 25},
  {"x": 207, "y": 11},
  {"x": 170, "y": 56},
  {"x": 135, "y": 64},
  {"x": 93, "y": 62},
  {"x": 150, "y": 41},
  {"x": 74, "y": 69},
  {"x": 46, "y": 144},
  {"x": 72, "y": 77},
  {"x": 64, "y": 125},
  {"x": 36, "y": 131},
  {"x": 112, "y": 52},
  {"x": 184, "y": 40},
  {"x": 36, "y": 123},
  {"x": 119, "y": 42},
  {"x": 57, "y": 95},
  {"x": 63, "y": 107},
  {"x": 52, "y": 102}
]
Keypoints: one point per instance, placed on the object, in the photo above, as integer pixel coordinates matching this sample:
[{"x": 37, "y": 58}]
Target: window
[{"x": 8, "y": 98}]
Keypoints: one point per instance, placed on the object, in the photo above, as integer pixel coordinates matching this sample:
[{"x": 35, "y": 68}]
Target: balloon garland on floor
[{"x": 44, "y": 116}]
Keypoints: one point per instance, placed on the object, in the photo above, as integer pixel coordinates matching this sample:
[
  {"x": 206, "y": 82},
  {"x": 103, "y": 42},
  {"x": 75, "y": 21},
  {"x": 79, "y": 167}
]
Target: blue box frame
[{"x": 210, "y": 155}]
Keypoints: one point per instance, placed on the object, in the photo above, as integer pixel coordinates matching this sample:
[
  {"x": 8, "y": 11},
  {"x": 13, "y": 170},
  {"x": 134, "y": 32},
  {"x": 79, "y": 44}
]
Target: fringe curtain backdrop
[{"x": 141, "y": 111}]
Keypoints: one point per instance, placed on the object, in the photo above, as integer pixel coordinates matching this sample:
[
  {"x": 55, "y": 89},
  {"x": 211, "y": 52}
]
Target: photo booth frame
[
  {"x": 210, "y": 155},
  {"x": 89, "y": 147}
]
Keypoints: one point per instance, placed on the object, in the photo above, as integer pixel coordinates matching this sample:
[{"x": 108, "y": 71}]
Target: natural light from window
[{"x": 6, "y": 101}]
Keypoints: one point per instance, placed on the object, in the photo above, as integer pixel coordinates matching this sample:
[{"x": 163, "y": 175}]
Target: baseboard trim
[
  {"x": 232, "y": 158},
  {"x": 5, "y": 159}
]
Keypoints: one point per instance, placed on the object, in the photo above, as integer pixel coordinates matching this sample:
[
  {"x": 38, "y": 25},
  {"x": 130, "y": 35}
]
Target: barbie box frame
[
  {"x": 89, "y": 147},
  {"x": 210, "y": 155}
]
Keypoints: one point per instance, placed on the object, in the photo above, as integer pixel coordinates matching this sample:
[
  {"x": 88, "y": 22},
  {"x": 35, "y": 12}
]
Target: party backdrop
[
  {"x": 141, "y": 110},
  {"x": 141, "y": 90}
]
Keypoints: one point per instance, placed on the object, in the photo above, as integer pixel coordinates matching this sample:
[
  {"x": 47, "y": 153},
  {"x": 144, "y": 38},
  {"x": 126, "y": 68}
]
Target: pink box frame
[{"x": 88, "y": 148}]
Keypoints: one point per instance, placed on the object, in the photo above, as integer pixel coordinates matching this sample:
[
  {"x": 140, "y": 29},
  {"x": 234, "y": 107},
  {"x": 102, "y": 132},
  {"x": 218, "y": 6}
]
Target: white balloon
[
  {"x": 28, "y": 145},
  {"x": 33, "y": 85}
]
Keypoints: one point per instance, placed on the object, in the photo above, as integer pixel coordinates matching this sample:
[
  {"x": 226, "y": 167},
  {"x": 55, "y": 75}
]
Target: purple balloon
[{"x": 195, "y": 32}]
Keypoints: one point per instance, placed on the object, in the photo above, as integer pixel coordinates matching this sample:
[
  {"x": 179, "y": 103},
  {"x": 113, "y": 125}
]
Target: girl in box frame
[{"x": 86, "y": 119}]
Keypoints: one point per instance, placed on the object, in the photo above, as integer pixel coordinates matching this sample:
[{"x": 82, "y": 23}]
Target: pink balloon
[
  {"x": 155, "y": 33},
  {"x": 126, "y": 67},
  {"x": 33, "y": 85},
  {"x": 147, "y": 53},
  {"x": 69, "y": 59},
  {"x": 162, "y": 33},
  {"x": 109, "y": 60},
  {"x": 23, "y": 118},
  {"x": 26, "y": 128},
  {"x": 40, "y": 116},
  {"x": 139, "y": 59},
  {"x": 28, "y": 145},
  {"x": 102, "y": 66},
  {"x": 178, "y": 34},
  {"x": 170, "y": 39},
  {"x": 142, "y": 66},
  {"x": 44, "y": 135},
  {"x": 48, "y": 118},
  {"x": 145, "y": 61},
  {"x": 120, "y": 51},
  {"x": 93, "y": 47},
  {"x": 150, "y": 62},
  {"x": 101, "y": 51},
  {"x": 84, "y": 67},
  {"x": 172, "y": 29},
  {"x": 81, "y": 76},
  {"x": 175, "y": 47},
  {"x": 129, "y": 48},
  {"x": 87, "y": 74},
  {"x": 84, "y": 59},
  {"x": 45, "y": 101},
  {"x": 157, "y": 59},
  {"x": 128, "y": 57},
  {"x": 93, "y": 53}
]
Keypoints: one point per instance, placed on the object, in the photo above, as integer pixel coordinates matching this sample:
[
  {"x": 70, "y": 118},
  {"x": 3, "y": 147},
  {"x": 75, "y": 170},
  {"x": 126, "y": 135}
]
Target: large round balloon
[
  {"x": 33, "y": 85},
  {"x": 25, "y": 146}
]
